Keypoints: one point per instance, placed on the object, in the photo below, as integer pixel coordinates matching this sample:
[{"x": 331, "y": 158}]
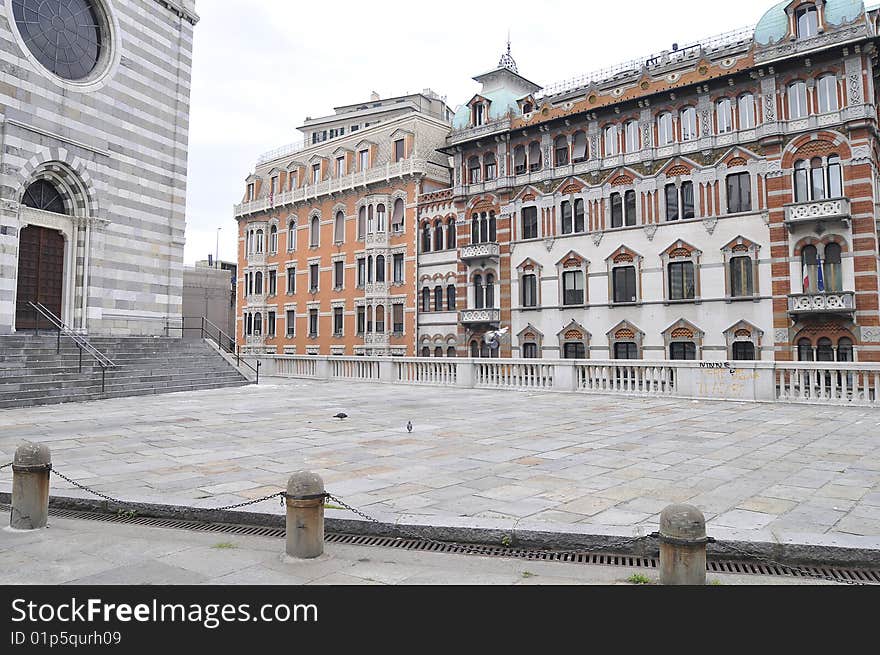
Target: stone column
[
  {"x": 31, "y": 468},
  {"x": 305, "y": 515}
]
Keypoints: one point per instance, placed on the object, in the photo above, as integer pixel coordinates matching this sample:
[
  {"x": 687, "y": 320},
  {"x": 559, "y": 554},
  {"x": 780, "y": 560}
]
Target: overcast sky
[{"x": 261, "y": 66}]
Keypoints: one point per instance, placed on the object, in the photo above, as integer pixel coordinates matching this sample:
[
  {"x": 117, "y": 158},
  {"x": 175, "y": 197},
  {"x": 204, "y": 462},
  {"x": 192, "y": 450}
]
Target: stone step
[{"x": 92, "y": 386}]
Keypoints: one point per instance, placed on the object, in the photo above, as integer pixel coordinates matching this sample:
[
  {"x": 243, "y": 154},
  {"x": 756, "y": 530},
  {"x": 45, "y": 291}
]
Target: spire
[{"x": 506, "y": 60}]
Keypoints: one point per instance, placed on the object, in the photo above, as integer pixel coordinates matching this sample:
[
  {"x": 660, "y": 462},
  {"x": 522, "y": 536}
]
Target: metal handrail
[
  {"x": 81, "y": 342},
  {"x": 223, "y": 340}
]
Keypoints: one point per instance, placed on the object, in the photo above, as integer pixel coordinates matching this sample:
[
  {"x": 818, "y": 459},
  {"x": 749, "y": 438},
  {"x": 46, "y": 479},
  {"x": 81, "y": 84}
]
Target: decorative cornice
[{"x": 183, "y": 8}]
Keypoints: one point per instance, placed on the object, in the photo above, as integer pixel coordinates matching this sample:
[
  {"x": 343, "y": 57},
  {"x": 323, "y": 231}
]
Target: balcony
[
  {"x": 480, "y": 316},
  {"x": 377, "y": 339},
  {"x": 377, "y": 288},
  {"x": 809, "y": 213},
  {"x": 480, "y": 251},
  {"x": 841, "y": 302},
  {"x": 376, "y": 240}
]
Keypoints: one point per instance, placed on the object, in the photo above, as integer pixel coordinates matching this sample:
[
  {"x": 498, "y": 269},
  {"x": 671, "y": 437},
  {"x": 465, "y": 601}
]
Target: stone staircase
[{"x": 32, "y": 373}]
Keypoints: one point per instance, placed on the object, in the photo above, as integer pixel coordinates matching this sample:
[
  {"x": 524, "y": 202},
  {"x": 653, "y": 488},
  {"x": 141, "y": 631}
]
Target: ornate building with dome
[
  {"x": 94, "y": 109},
  {"x": 714, "y": 201}
]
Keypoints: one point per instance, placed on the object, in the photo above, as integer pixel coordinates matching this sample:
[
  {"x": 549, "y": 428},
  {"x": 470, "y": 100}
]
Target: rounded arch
[
  {"x": 807, "y": 146},
  {"x": 820, "y": 243},
  {"x": 74, "y": 187}
]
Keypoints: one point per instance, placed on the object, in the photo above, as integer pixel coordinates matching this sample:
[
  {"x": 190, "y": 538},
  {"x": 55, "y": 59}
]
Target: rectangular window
[
  {"x": 273, "y": 283},
  {"x": 741, "y": 284},
  {"x": 313, "y": 322},
  {"x": 529, "y": 291},
  {"x": 361, "y": 319},
  {"x": 530, "y": 351},
  {"x": 340, "y": 166},
  {"x": 565, "y": 210},
  {"x": 530, "y": 223},
  {"x": 398, "y": 268},
  {"x": 291, "y": 322},
  {"x": 573, "y": 288},
  {"x": 632, "y": 136},
  {"x": 250, "y": 191},
  {"x": 739, "y": 193},
  {"x": 616, "y": 210},
  {"x": 724, "y": 113},
  {"x": 338, "y": 274},
  {"x": 687, "y": 199},
  {"x": 626, "y": 350},
  {"x": 573, "y": 350},
  {"x": 671, "y": 202},
  {"x": 361, "y": 272},
  {"x": 316, "y": 173},
  {"x": 363, "y": 160},
  {"x": 291, "y": 280},
  {"x": 399, "y": 150},
  {"x": 337, "y": 321},
  {"x": 313, "y": 278},
  {"x": 686, "y": 350},
  {"x": 681, "y": 281},
  {"x": 624, "y": 282},
  {"x": 629, "y": 199},
  {"x": 398, "y": 318},
  {"x": 270, "y": 324}
]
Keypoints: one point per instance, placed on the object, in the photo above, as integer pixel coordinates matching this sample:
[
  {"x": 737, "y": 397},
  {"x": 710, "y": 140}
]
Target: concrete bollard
[
  {"x": 682, "y": 546},
  {"x": 30, "y": 486},
  {"x": 305, "y": 515}
]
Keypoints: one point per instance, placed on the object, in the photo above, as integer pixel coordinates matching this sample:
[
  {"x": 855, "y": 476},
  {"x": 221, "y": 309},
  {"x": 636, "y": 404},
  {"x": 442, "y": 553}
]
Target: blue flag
[{"x": 820, "y": 278}]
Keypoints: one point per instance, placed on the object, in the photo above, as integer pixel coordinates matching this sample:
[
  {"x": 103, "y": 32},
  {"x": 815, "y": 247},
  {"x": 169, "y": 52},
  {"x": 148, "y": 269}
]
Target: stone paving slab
[{"x": 569, "y": 461}]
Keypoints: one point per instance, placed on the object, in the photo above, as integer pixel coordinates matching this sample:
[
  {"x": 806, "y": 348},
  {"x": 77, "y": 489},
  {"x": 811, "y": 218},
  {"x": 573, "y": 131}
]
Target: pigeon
[
  {"x": 340, "y": 415},
  {"x": 409, "y": 426}
]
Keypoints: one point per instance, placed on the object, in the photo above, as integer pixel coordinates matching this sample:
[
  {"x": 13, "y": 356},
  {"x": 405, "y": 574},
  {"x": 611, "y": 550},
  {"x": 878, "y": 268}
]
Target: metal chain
[
  {"x": 249, "y": 502},
  {"x": 85, "y": 488},
  {"x": 789, "y": 567},
  {"x": 480, "y": 550}
]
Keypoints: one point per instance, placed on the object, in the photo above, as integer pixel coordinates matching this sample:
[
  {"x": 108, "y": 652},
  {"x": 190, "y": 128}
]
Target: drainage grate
[{"x": 864, "y": 576}]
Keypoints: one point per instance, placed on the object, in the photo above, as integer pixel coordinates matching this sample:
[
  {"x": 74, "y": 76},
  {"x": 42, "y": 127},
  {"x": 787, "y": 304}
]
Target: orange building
[{"x": 327, "y": 256}]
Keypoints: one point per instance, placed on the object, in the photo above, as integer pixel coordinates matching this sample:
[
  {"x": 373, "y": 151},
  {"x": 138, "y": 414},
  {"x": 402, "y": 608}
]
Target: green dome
[{"x": 773, "y": 26}]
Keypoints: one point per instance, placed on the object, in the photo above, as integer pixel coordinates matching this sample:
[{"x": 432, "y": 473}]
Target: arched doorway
[{"x": 41, "y": 254}]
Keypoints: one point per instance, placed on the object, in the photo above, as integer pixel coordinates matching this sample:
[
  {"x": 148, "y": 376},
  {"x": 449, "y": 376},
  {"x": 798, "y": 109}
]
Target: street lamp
[{"x": 217, "y": 250}]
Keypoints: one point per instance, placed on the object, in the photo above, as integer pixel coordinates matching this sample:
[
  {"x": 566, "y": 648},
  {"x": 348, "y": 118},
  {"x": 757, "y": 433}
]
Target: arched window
[
  {"x": 688, "y": 124},
  {"x": 631, "y": 136},
  {"x": 258, "y": 283},
  {"x": 567, "y": 218},
  {"x": 43, "y": 195},
  {"x": 258, "y": 324},
  {"x": 339, "y": 228},
  {"x": 579, "y": 215},
  {"x": 810, "y": 265},
  {"x": 826, "y": 89},
  {"x": 519, "y": 160},
  {"x": 473, "y": 170},
  {"x": 807, "y": 21},
  {"x": 450, "y": 298},
  {"x": 665, "y": 134},
  {"x": 249, "y": 323},
  {"x": 380, "y": 319},
  {"x": 438, "y": 235},
  {"x": 535, "y": 162},
  {"x": 291, "y": 236},
  {"x": 438, "y": 299},
  {"x": 426, "y": 299},
  {"x": 493, "y": 228},
  {"x": 824, "y": 350},
  {"x": 380, "y": 217},
  {"x": 579, "y": 147},
  {"x": 259, "y": 241},
  {"x": 832, "y": 268},
  {"x": 371, "y": 226},
  {"x": 450, "y": 351},
  {"x": 797, "y": 100},
  {"x": 314, "y": 232},
  {"x": 362, "y": 223},
  {"x": 397, "y": 218},
  {"x": 801, "y": 181},
  {"x": 369, "y": 318},
  {"x": 490, "y": 290},
  {"x": 438, "y": 351},
  {"x": 475, "y": 348},
  {"x": 724, "y": 114},
  {"x": 490, "y": 166},
  {"x": 450, "y": 234},
  {"x": 741, "y": 282},
  {"x": 479, "y": 298},
  {"x": 817, "y": 179},
  {"x": 746, "y": 104},
  {"x": 475, "y": 228},
  {"x": 835, "y": 177},
  {"x": 273, "y": 239},
  {"x": 380, "y": 268},
  {"x": 610, "y": 140},
  {"x": 805, "y": 350},
  {"x": 485, "y": 353},
  {"x": 560, "y": 150},
  {"x": 426, "y": 237},
  {"x": 426, "y": 351}
]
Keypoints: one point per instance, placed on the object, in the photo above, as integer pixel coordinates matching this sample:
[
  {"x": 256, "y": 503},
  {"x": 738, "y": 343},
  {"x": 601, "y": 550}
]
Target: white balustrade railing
[
  {"x": 843, "y": 301},
  {"x": 839, "y": 383}
]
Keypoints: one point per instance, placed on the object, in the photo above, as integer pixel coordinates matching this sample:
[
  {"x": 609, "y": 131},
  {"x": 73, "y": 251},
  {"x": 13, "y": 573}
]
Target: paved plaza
[{"x": 559, "y": 462}]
